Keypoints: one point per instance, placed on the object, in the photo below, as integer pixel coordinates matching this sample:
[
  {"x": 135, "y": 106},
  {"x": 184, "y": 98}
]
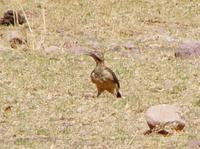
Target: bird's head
[{"x": 97, "y": 56}]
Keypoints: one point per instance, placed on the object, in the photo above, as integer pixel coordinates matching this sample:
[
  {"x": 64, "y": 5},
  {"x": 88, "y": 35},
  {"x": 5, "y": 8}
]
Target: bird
[{"x": 103, "y": 77}]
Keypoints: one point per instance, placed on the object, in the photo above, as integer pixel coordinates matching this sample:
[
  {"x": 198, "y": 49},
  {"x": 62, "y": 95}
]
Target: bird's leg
[{"x": 99, "y": 92}]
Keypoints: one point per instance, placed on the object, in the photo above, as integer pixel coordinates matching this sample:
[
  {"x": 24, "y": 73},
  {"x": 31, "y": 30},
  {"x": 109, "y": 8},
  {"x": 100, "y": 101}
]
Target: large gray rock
[
  {"x": 164, "y": 119},
  {"x": 188, "y": 49}
]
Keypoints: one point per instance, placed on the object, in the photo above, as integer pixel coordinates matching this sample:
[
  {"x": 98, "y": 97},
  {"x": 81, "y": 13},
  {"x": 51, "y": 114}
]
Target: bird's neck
[{"x": 100, "y": 64}]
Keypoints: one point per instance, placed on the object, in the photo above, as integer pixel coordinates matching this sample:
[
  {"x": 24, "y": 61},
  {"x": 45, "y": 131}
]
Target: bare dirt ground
[{"x": 48, "y": 101}]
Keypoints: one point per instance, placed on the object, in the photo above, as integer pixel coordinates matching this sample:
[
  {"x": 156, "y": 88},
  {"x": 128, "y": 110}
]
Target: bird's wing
[{"x": 114, "y": 77}]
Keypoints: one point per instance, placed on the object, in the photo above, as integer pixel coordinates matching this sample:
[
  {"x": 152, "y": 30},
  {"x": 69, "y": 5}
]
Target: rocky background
[{"x": 47, "y": 99}]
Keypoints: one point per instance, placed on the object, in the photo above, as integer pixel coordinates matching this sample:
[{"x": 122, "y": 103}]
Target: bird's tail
[{"x": 119, "y": 95}]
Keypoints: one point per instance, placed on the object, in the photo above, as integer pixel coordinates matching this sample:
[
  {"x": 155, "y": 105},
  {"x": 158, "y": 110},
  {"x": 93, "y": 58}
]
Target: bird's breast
[{"x": 95, "y": 77}]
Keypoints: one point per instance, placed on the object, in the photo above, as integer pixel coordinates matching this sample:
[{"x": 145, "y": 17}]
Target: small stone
[
  {"x": 115, "y": 48},
  {"x": 7, "y": 108},
  {"x": 164, "y": 118},
  {"x": 51, "y": 49},
  {"x": 188, "y": 49},
  {"x": 12, "y": 17},
  {"x": 193, "y": 144},
  {"x": 15, "y": 38},
  {"x": 129, "y": 45},
  {"x": 68, "y": 44}
]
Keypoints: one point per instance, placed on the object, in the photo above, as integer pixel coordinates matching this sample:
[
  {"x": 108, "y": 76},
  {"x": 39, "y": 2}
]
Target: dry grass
[{"x": 47, "y": 100}]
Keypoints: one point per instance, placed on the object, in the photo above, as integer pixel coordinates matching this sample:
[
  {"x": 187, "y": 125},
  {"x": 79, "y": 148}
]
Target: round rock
[{"x": 161, "y": 117}]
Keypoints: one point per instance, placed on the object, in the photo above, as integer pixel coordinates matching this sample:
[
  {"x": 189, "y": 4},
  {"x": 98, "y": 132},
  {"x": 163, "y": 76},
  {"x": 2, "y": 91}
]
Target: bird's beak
[{"x": 94, "y": 56}]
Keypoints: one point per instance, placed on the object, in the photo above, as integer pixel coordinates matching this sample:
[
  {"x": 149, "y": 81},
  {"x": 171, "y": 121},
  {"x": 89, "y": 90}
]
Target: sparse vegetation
[{"x": 47, "y": 101}]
